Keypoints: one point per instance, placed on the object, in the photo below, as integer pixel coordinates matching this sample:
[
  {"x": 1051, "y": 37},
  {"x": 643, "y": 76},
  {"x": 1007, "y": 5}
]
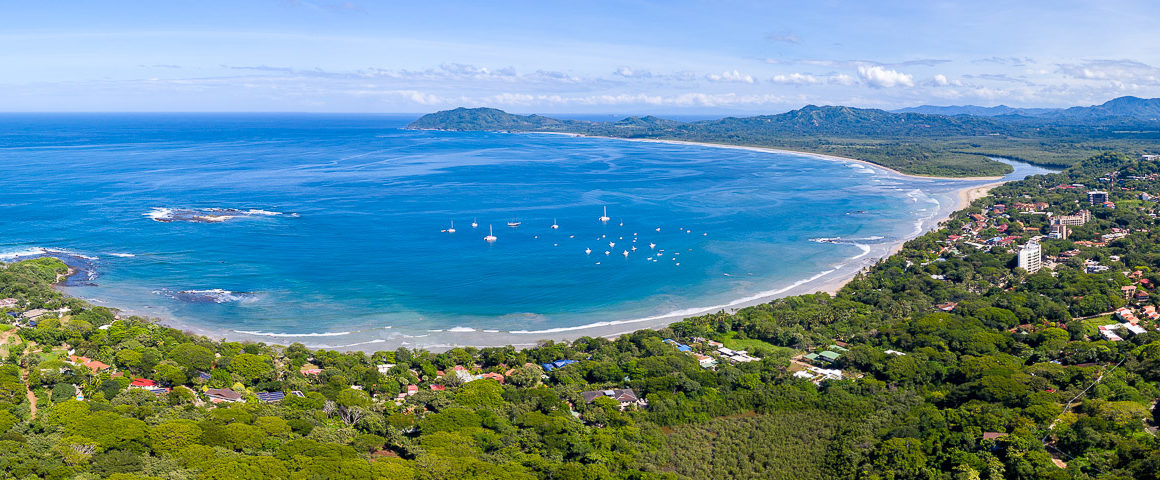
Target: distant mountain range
[
  {"x": 812, "y": 120},
  {"x": 948, "y": 141},
  {"x": 1147, "y": 109}
]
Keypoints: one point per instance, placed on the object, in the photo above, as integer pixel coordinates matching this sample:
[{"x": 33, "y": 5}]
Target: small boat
[
  {"x": 611, "y": 244},
  {"x": 513, "y": 224},
  {"x": 658, "y": 229},
  {"x": 554, "y": 225},
  {"x": 622, "y": 223},
  {"x": 606, "y": 252},
  {"x": 452, "y": 229},
  {"x": 490, "y": 235},
  {"x": 652, "y": 246},
  {"x": 634, "y": 248},
  {"x": 588, "y": 251},
  {"x": 626, "y": 254},
  {"x": 605, "y": 218},
  {"x": 474, "y": 223}
]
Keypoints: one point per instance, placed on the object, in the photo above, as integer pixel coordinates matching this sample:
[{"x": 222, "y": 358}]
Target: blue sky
[{"x": 691, "y": 57}]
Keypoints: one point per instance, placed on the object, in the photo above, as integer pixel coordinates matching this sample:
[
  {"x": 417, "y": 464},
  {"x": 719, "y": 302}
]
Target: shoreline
[
  {"x": 823, "y": 156},
  {"x": 829, "y": 281}
]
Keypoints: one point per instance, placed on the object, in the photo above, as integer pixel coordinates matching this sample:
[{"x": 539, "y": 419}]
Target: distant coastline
[{"x": 769, "y": 150}]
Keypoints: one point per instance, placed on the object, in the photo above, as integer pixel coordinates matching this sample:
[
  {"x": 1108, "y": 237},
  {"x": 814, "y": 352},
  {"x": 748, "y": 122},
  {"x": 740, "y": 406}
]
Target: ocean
[{"x": 334, "y": 230}]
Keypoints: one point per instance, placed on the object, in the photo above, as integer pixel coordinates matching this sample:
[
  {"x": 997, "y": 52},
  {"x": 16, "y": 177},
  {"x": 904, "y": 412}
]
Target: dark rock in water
[
  {"x": 215, "y": 295},
  {"x": 208, "y": 215}
]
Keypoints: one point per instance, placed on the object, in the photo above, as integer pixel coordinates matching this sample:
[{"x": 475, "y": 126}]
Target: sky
[{"x": 548, "y": 56}]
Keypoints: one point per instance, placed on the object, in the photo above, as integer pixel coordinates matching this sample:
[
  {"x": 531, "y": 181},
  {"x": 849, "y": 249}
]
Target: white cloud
[
  {"x": 796, "y": 79},
  {"x": 1116, "y": 71},
  {"x": 783, "y": 37},
  {"x": 941, "y": 80},
  {"x": 733, "y": 76},
  {"x": 882, "y": 77},
  {"x": 843, "y": 79}
]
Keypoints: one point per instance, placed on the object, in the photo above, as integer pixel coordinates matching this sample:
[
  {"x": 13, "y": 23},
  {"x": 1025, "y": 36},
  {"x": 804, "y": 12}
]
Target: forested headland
[
  {"x": 914, "y": 143},
  {"x": 947, "y": 360}
]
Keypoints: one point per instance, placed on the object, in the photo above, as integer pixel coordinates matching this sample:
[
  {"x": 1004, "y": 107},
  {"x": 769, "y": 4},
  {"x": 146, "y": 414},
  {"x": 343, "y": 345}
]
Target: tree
[
  {"x": 63, "y": 392},
  {"x": 77, "y": 449},
  {"x": 273, "y": 426},
  {"x": 192, "y": 356},
  {"x": 252, "y": 367},
  {"x": 174, "y": 435},
  {"x": 480, "y": 393},
  {"x": 352, "y": 405}
]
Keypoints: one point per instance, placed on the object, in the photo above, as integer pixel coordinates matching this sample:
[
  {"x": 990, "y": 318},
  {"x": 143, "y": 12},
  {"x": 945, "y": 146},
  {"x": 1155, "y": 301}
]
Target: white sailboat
[
  {"x": 605, "y": 218},
  {"x": 490, "y": 235},
  {"x": 474, "y": 223},
  {"x": 554, "y": 225},
  {"x": 452, "y": 229}
]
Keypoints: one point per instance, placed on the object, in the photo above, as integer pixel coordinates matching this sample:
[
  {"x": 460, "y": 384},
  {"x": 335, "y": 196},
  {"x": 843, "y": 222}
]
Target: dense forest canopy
[{"x": 947, "y": 360}]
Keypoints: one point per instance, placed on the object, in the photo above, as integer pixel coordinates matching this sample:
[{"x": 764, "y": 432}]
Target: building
[
  {"x": 143, "y": 383},
  {"x": 828, "y": 356},
  {"x": 739, "y": 356},
  {"x": 1058, "y": 232},
  {"x": 275, "y": 397},
  {"x": 626, "y": 397},
  {"x": 219, "y": 395},
  {"x": 1097, "y": 197},
  {"x": 1079, "y": 218},
  {"x": 705, "y": 361},
  {"x": 1031, "y": 257},
  {"x": 557, "y": 364}
]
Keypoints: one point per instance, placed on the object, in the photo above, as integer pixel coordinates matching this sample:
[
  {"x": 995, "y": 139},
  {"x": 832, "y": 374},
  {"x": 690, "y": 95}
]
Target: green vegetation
[
  {"x": 956, "y": 365},
  {"x": 914, "y": 143}
]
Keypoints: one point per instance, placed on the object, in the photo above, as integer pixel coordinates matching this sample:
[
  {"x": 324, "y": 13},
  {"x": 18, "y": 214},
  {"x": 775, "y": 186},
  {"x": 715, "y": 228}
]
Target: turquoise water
[{"x": 336, "y": 229}]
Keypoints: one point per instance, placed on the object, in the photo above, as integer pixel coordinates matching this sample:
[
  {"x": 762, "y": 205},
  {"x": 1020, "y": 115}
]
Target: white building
[{"x": 1031, "y": 257}]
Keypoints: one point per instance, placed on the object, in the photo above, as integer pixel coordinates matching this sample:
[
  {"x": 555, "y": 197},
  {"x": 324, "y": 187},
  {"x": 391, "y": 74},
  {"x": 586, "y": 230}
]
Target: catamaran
[
  {"x": 490, "y": 235},
  {"x": 605, "y": 218},
  {"x": 554, "y": 225},
  {"x": 452, "y": 229}
]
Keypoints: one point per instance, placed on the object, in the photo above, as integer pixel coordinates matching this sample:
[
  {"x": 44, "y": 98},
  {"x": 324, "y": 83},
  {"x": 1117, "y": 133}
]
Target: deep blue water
[{"x": 358, "y": 245}]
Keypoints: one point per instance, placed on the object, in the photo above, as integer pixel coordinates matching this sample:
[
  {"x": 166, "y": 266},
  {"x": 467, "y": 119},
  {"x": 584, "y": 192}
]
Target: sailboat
[
  {"x": 474, "y": 223},
  {"x": 452, "y": 229},
  {"x": 605, "y": 218},
  {"x": 490, "y": 235},
  {"x": 554, "y": 225}
]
